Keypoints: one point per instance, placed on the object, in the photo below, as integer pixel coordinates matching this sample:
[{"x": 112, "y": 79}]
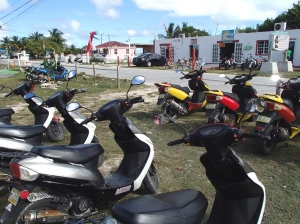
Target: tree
[
  {"x": 57, "y": 37},
  {"x": 291, "y": 17},
  {"x": 23, "y": 43},
  {"x": 15, "y": 43},
  {"x": 5, "y": 42},
  {"x": 36, "y": 47},
  {"x": 246, "y": 30},
  {"x": 171, "y": 32},
  {"x": 191, "y": 31},
  {"x": 36, "y": 36}
]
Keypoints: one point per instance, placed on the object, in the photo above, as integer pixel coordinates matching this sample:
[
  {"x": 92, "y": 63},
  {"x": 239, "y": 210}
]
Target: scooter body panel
[
  {"x": 13, "y": 144},
  {"x": 179, "y": 94},
  {"x": 230, "y": 103}
]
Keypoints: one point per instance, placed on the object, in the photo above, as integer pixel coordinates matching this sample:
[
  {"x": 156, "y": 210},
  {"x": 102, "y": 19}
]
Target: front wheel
[
  {"x": 149, "y": 64},
  {"x": 37, "y": 206},
  {"x": 267, "y": 146},
  {"x": 151, "y": 183},
  {"x": 55, "y": 131}
]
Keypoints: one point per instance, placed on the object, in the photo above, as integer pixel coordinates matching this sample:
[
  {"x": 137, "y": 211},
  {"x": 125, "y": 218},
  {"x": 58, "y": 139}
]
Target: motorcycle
[
  {"x": 227, "y": 107},
  {"x": 44, "y": 116},
  {"x": 227, "y": 63},
  {"x": 60, "y": 73},
  {"x": 175, "y": 99},
  {"x": 235, "y": 182},
  {"x": 259, "y": 61},
  {"x": 66, "y": 179},
  {"x": 281, "y": 118}
]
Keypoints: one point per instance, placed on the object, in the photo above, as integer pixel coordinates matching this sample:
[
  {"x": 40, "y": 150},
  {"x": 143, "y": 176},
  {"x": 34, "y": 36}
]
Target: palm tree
[
  {"x": 171, "y": 31},
  {"x": 23, "y": 43},
  {"x": 15, "y": 43},
  {"x": 36, "y": 36},
  {"x": 57, "y": 37},
  {"x": 72, "y": 48},
  {"x": 5, "y": 42}
]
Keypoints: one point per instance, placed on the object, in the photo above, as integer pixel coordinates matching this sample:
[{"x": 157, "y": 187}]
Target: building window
[
  {"x": 127, "y": 51},
  {"x": 262, "y": 47},
  {"x": 116, "y": 51}
]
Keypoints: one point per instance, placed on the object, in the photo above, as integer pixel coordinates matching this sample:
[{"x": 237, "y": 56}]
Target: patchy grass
[{"x": 178, "y": 166}]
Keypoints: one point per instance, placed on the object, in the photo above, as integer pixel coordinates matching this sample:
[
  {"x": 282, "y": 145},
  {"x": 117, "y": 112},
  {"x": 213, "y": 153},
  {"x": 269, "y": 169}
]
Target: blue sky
[{"x": 139, "y": 20}]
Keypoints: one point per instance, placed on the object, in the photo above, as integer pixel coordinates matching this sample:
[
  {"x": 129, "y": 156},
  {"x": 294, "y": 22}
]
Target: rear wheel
[
  {"x": 267, "y": 146},
  {"x": 37, "y": 206},
  {"x": 55, "y": 131},
  {"x": 150, "y": 182}
]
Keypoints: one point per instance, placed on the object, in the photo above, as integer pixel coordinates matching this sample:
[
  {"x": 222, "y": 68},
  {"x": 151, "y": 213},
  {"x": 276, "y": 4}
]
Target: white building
[{"x": 212, "y": 48}]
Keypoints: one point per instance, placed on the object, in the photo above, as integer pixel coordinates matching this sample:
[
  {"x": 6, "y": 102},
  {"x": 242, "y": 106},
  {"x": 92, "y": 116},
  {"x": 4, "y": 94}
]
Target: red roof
[{"x": 111, "y": 44}]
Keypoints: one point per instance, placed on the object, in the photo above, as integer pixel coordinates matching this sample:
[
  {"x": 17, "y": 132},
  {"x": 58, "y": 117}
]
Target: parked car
[{"x": 149, "y": 60}]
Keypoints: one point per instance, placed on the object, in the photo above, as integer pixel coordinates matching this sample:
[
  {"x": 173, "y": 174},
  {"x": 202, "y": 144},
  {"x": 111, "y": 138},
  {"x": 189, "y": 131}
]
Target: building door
[
  {"x": 292, "y": 48},
  {"x": 196, "y": 47},
  {"x": 216, "y": 53},
  {"x": 238, "y": 52}
]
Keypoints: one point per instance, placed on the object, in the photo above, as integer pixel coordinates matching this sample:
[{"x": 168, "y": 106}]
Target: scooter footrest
[{"x": 184, "y": 206}]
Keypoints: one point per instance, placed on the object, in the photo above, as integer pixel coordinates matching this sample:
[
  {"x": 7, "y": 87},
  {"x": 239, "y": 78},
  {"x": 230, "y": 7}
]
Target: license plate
[
  {"x": 263, "y": 119},
  {"x": 161, "y": 96},
  {"x": 210, "y": 106},
  {"x": 14, "y": 196}
]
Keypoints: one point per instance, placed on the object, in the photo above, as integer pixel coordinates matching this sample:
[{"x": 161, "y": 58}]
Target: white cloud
[
  {"x": 131, "y": 32},
  {"x": 146, "y": 33},
  {"x": 221, "y": 11},
  {"x": 75, "y": 25},
  {"x": 106, "y": 8},
  {"x": 3, "y": 5}
]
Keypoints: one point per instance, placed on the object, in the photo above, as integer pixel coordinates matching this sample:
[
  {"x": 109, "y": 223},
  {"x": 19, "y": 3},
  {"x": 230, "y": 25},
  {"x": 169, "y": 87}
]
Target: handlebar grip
[
  {"x": 176, "y": 142},
  {"x": 182, "y": 77},
  {"x": 227, "y": 82},
  {"x": 87, "y": 120},
  {"x": 137, "y": 100},
  {"x": 9, "y": 94}
]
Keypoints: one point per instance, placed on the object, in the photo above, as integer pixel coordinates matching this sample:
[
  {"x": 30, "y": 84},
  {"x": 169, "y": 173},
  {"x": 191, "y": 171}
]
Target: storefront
[{"x": 241, "y": 45}]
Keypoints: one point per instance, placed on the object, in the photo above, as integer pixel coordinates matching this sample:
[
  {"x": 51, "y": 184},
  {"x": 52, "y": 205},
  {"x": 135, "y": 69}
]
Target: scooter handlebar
[
  {"x": 138, "y": 99},
  {"x": 9, "y": 94},
  {"x": 176, "y": 142},
  {"x": 255, "y": 135}
]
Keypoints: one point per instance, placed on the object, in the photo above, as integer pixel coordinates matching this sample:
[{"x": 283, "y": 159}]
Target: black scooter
[{"x": 66, "y": 179}]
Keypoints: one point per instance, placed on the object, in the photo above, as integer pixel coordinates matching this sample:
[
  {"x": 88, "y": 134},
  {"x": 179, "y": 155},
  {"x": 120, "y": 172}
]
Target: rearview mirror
[
  {"x": 222, "y": 76},
  {"x": 275, "y": 77},
  {"x": 138, "y": 80},
  {"x": 177, "y": 71},
  {"x": 73, "y": 106},
  {"x": 71, "y": 74}
]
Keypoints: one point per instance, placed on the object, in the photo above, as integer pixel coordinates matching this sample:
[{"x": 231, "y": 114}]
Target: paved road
[{"x": 261, "y": 84}]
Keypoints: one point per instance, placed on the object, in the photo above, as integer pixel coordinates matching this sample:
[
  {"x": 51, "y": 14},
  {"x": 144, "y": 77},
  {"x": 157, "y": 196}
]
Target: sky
[{"x": 131, "y": 21}]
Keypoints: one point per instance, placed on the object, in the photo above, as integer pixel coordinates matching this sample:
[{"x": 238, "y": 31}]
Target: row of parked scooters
[
  {"x": 62, "y": 184},
  {"x": 279, "y": 117}
]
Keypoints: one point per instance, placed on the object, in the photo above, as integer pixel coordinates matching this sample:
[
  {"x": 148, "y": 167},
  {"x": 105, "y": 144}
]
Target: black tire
[
  {"x": 267, "y": 146},
  {"x": 167, "y": 109},
  {"x": 150, "y": 182},
  {"x": 149, "y": 64},
  {"x": 37, "y": 206},
  {"x": 29, "y": 77},
  {"x": 3, "y": 190},
  {"x": 55, "y": 131}
]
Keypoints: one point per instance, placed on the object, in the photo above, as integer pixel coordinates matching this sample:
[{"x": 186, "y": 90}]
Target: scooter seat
[
  {"x": 231, "y": 95},
  {"x": 78, "y": 154},
  {"x": 6, "y": 112},
  {"x": 184, "y": 206},
  {"x": 184, "y": 89},
  {"x": 22, "y": 132}
]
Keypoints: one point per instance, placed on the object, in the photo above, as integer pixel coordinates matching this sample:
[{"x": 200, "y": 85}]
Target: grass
[{"x": 178, "y": 166}]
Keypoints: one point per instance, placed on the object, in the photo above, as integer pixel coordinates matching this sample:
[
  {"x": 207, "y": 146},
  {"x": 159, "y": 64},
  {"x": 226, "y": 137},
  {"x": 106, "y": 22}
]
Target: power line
[
  {"x": 16, "y": 9},
  {"x": 9, "y": 7},
  {"x": 29, "y": 8}
]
